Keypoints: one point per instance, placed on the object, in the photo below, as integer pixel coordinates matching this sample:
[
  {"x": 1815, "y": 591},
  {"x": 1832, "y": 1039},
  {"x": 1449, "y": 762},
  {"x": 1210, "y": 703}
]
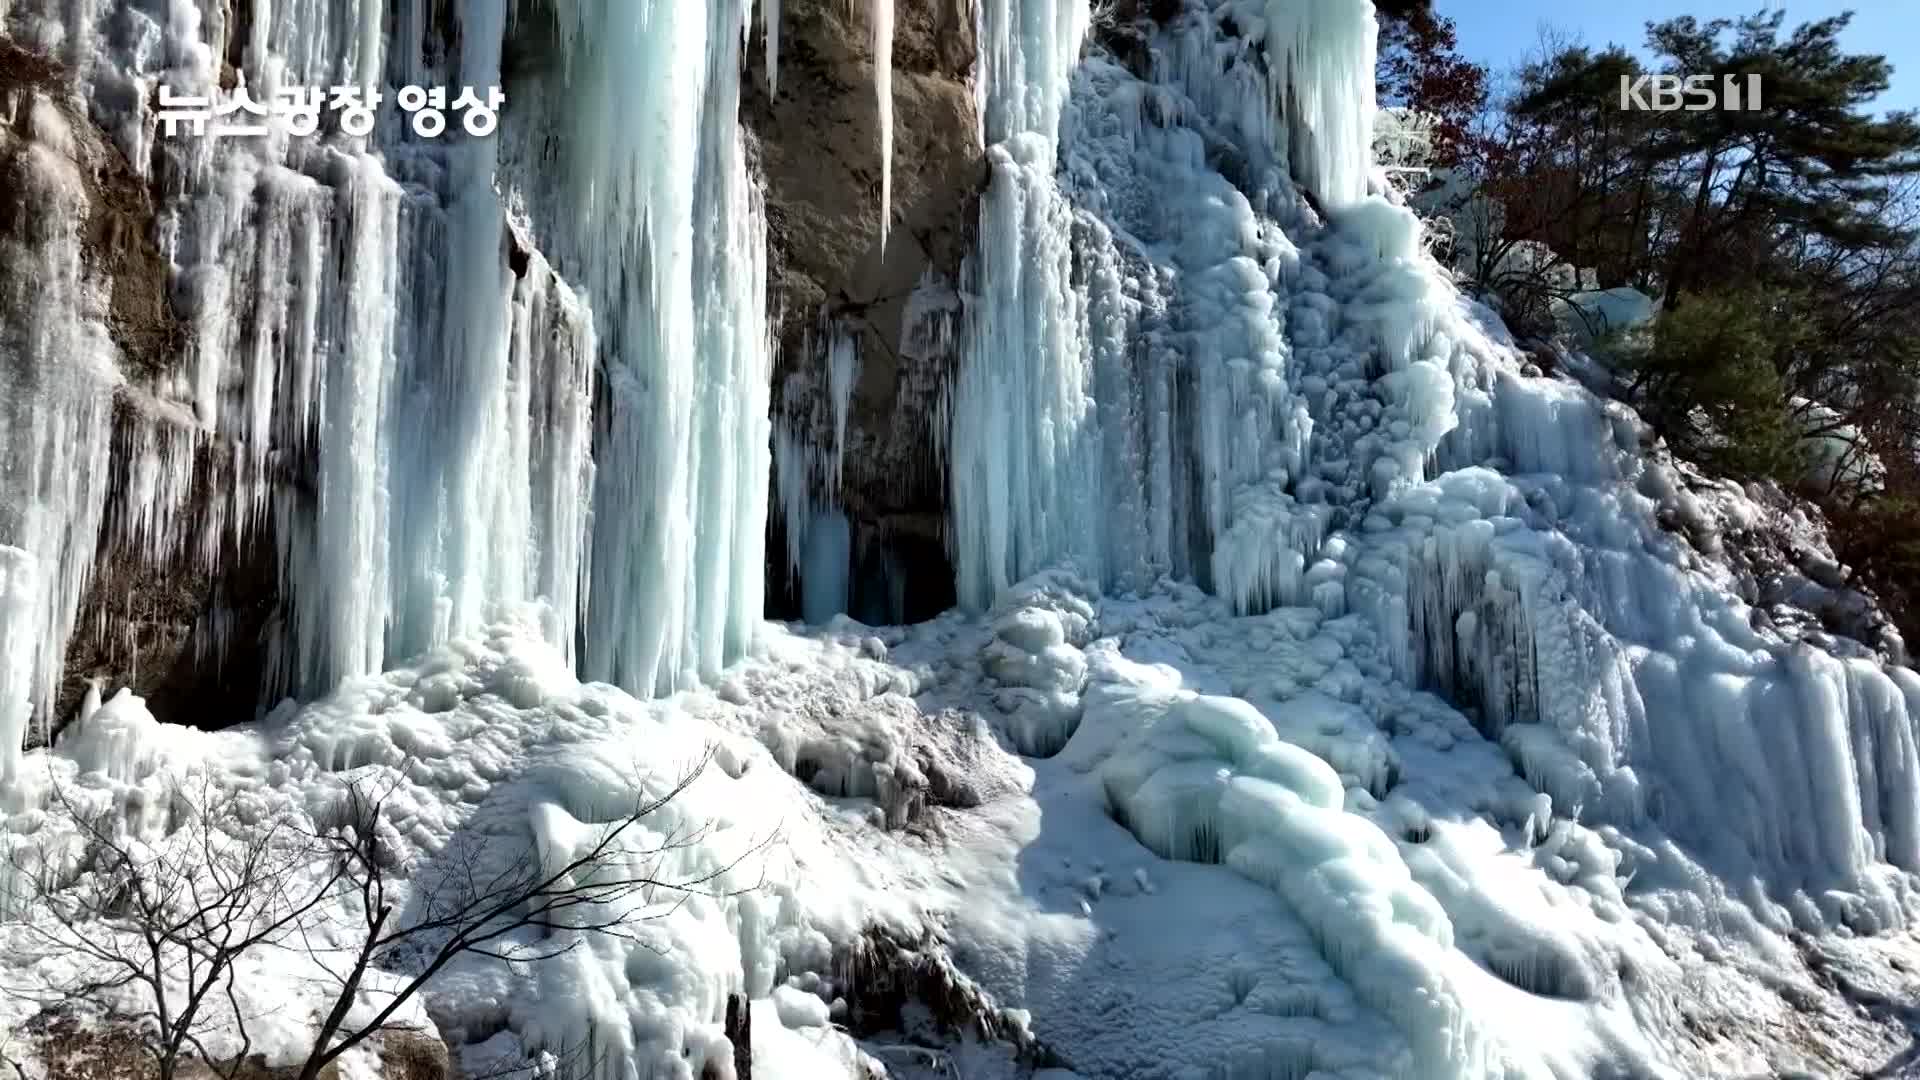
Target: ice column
[
  {"x": 671, "y": 230},
  {"x": 338, "y": 561},
  {"x": 19, "y": 590},
  {"x": 1022, "y": 461},
  {"x": 808, "y": 471}
]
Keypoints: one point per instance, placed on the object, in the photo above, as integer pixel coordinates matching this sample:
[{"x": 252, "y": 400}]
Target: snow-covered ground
[{"x": 1245, "y": 858}]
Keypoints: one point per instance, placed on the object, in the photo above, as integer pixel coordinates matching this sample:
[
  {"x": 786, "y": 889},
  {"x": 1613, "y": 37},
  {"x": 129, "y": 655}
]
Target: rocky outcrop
[
  {"x": 136, "y": 623},
  {"x": 818, "y": 140}
]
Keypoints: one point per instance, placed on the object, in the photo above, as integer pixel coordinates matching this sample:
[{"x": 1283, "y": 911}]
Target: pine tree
[{"x": 1811, "y": 161}]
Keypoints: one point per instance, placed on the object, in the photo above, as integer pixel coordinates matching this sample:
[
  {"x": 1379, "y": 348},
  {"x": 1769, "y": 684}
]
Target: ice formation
[
  {"x": 369, "y": 317},
  {"x": 1321, "y": 59},
  {"x": 809, "y": 465},
  {"x": 1339, "y": 700},
  {"x": 680, "y": 525},
  {"x": 1019, "y": 457}
]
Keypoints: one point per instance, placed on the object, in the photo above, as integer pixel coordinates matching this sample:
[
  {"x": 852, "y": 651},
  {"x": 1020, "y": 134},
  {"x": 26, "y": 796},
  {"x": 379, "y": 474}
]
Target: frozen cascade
[
  {"x": 355, "y": 314},
  {"x": 1311, "y": 426},
  {"x": 58, "y": 372},
  {"x": 1125, "y": 395},
  {"x": 1020, "y": 455},
  {"x": 679, "y": 291}
]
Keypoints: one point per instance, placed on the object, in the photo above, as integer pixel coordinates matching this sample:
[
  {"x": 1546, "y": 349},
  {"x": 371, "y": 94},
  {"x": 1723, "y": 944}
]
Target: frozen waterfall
[
  {"x": 679, "y": 283},
  {"x": 385, "y": 380},
  {"x": 1020, "y": 452}
]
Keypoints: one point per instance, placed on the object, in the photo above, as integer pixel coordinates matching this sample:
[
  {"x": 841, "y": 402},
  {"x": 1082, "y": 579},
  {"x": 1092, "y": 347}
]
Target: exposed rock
[
  {"x": 819, "y": 153},
  {"x": 74, "y": 1048},
  {"x": 118, "y": 235},
  {"x": 883, "y": 974}
]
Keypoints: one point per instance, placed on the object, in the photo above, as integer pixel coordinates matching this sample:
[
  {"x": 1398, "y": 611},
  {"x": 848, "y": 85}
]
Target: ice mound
[
  {"x": 1207, "y": 778},
  {"x": 1034, "y": 659},
  {"x": 489, "y": 750}
]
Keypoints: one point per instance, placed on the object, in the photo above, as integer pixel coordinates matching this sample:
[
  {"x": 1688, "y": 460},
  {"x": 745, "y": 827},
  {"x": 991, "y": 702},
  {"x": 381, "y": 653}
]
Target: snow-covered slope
[{"x": 1333, "y": 697}]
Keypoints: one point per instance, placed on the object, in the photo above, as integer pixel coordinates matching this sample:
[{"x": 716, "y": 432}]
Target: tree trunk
[
  {"x": 1678, "y": 271},
  {"x": 740, "y": 1033}
]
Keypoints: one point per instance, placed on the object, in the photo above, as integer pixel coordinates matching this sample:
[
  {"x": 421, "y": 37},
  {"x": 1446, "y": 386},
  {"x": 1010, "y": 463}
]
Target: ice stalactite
[
  {"x": 883, "y": 91},
  {"x": 843, "y": 371},
  {"x": 670, "y": 231},
  {"x": 810, "y": 456},
  {"x": 19, "y": 633},
  {"x": 342, "y": 564},
  {"x": 770, "y": 28},
  {"x": 1322, "y": 52}
]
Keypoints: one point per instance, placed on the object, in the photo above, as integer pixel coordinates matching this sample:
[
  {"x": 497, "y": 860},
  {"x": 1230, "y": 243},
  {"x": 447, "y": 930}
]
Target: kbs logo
[{"x": 1694, "y": 93}]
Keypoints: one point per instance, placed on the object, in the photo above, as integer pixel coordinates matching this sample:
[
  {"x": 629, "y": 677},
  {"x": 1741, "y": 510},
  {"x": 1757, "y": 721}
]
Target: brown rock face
[{"x": 818, "y": 136}]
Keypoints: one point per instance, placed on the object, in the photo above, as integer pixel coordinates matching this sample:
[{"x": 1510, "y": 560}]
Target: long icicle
[{"x": 883, "y": 91}]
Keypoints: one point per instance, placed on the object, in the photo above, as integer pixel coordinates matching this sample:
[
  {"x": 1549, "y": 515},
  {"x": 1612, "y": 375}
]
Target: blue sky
[{"x": 1499, "y": 32}]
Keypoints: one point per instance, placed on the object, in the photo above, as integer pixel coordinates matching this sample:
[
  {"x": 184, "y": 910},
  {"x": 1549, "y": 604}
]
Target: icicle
[
  {"x": 1321, "y": 53},
  {"x": 340, "y": 566},
  {"x": 843, "y": 371},
  {"x": 770, "y": 20},
  {"x": 1028, "y": 48},
  {"x": 883, "y": 91},
  {"x": 19, "y": 628},
  {"x": 1021, "y": 467}
]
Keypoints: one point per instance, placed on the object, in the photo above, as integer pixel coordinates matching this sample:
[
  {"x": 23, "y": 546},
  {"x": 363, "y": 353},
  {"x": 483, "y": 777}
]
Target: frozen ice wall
[
  {"x": 392, "y": 340},
  {"x": 1125, "y": 400},
  {"x": 1022, "y": 448},
  {"x": 656, "y": 206},
  {"x": 1199, "y": 343},
  {"x": 57, "y": 379}
]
